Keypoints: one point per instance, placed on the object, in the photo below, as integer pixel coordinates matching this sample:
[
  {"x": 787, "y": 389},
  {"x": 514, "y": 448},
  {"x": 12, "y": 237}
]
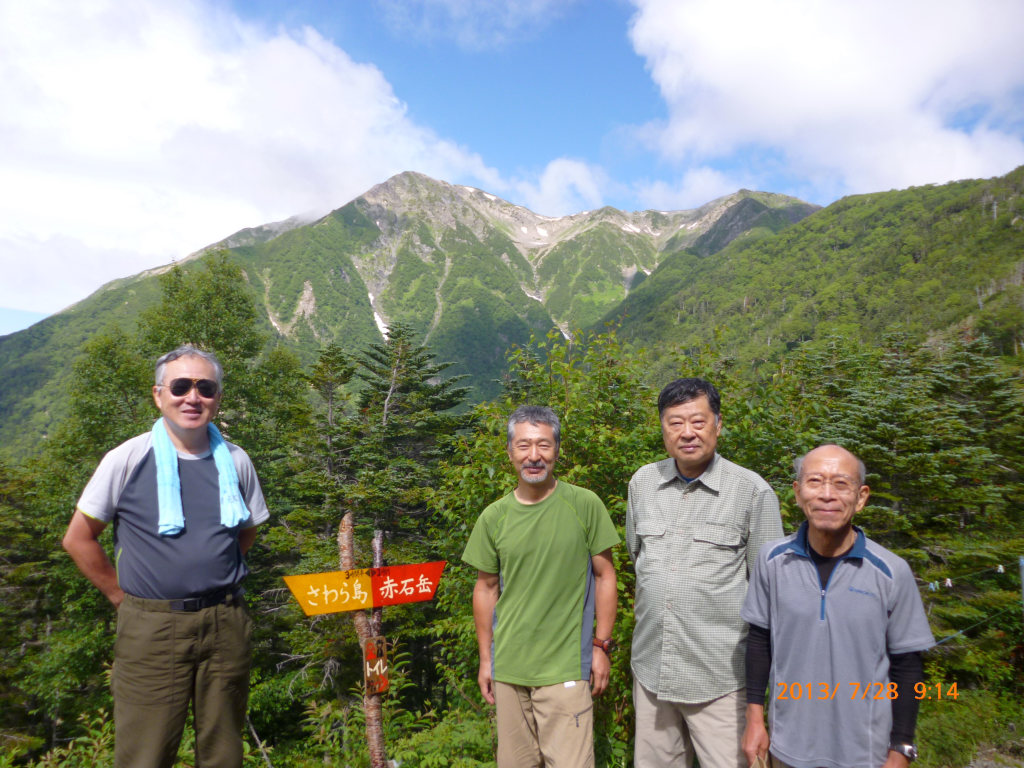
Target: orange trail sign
[{"x": 365, "y": 587}]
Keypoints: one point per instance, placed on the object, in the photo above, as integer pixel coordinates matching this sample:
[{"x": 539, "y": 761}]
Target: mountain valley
[{"x": 473, "y": 274}]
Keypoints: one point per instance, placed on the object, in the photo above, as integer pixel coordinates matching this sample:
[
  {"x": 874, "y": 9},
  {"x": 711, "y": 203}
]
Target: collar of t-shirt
[
  {"x": 194, "y": 456},
  {"x": 824, "y": 564},
  {"x": 684, "y": 478}
]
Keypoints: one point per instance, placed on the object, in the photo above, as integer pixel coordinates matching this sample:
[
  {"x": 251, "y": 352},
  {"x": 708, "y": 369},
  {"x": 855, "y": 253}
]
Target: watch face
[{"x": 909, "y": 751}]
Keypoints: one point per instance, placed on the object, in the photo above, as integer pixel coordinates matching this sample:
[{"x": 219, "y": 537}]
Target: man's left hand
[
  {"x": 600, "y": 670},
  {"x": 896, "y": 760}
]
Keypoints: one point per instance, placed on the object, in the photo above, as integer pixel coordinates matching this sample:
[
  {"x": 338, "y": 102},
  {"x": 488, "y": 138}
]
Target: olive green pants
[{"x": 163, "y": 660}]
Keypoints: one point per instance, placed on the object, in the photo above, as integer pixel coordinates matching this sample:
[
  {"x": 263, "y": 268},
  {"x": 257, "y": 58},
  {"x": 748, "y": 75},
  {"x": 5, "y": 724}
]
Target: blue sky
[
  {"x": 563, "y": 90},
  {"x": 135, "y": 132}
]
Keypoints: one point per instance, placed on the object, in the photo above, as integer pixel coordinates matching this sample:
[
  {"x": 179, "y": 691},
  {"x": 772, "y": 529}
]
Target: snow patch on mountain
[{"x": 381, "y": 325}]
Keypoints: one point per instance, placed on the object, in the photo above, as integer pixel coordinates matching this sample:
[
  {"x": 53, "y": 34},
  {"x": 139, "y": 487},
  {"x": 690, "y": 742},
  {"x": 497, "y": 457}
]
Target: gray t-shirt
[
  {"x": 837, "y": 638},
  {"x": 202, "y": 558}
]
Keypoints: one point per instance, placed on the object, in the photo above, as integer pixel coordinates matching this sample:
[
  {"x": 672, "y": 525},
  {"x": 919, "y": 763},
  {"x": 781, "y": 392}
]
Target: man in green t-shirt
[{"x": 545, "y": 573}]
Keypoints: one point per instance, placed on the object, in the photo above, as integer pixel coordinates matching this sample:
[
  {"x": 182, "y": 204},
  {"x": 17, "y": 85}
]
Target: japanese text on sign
[
  {"x": 376, "y": 673},
  {"x": 365, "y": 588}
]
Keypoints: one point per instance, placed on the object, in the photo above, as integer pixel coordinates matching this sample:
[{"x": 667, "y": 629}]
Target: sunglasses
[{"x": 208, "y": 388}]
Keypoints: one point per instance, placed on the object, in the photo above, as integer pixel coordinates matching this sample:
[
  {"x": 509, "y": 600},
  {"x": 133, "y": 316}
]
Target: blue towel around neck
[{"x": 233, "y": 511}]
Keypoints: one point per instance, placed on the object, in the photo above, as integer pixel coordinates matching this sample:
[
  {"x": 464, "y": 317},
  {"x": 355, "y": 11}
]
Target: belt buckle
[{"x": 192, "y": 604}]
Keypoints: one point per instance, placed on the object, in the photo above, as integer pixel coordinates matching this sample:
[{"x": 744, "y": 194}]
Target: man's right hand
[
  {"x": 485, "y": 597},
  {"x": 486, "y": 683},
  {"x": 81, "y": 542},
  {"x": 755, "y": 738}
]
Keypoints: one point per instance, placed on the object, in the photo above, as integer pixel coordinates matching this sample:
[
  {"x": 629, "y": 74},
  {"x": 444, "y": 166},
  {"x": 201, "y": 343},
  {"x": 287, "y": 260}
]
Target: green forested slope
[
  {"x": 35, "y": 363},
  {"x": 925, "y": 258},
  {"x": 308, "y": 285},
  {"x": 755, "y": 215},
  {"x": 582, "y": 277},
  {"x": 749, "y": 218}
]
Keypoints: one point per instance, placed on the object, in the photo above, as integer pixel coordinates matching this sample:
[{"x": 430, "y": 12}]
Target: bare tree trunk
[
  {"x": 377, "y": 614},
  {"x": 256, "y": 737},
  {"x": 347, "y": 556},
  {"x": 365, "y": 629},
  {"x": 375, "y": 731}
]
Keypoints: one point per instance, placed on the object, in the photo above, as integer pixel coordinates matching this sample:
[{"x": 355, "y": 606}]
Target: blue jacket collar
[{"x": 801, "y": 547}]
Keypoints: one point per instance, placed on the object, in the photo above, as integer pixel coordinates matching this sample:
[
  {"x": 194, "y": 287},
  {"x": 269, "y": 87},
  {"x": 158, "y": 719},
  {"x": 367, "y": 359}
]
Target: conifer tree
[{"x": 380, "y": 463}]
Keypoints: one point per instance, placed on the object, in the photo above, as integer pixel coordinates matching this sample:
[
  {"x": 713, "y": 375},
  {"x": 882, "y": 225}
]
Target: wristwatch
[
  {"x": 909, "y": 751},
  {"x": 605, "y": 645}
]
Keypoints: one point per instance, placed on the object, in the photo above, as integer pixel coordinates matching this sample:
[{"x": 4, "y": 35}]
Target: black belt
[{"x": 193, "y": 604}]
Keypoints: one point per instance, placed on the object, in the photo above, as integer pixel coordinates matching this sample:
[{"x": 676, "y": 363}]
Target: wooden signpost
[
  {"x": 365, "y": 587},
  {"x": 376, "y": 673}
]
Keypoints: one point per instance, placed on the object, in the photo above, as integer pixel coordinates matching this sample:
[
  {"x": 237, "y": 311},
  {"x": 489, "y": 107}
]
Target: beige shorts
[{"x": 551, "y": 725}]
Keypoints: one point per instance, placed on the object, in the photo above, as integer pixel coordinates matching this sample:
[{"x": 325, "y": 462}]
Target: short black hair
[{"x": 684, "y": 390}]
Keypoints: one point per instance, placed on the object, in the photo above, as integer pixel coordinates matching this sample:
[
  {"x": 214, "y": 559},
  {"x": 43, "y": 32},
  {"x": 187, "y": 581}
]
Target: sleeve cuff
[
  {"x": 92, "y": 515},
  {"x": 258, "y": 519},
  {"x": 757, "y": 621},
  {"x": 602, "y": 546},
  {"x": 919, "y": 646},
  {"x": 479, "y": 567}
]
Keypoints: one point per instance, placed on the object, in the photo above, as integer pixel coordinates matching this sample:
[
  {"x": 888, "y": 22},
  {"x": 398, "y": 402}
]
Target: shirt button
[
  {"x": 673, "y": 567},
  {"x": 668, "y": 605}
]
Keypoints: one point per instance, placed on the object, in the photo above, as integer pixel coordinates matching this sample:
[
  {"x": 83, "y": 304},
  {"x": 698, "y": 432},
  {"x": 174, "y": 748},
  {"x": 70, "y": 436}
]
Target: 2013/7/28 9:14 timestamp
[{"x": 825, "y": 691}]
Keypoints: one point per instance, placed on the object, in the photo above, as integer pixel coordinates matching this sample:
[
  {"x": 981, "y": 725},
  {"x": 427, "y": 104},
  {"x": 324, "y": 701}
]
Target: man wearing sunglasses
[{"x": 185, "y": 505}]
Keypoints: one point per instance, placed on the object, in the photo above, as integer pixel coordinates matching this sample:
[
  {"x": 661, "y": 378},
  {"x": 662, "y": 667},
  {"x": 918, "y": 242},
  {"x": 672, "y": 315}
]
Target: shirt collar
[
  {"x": 800, "y": 546},
  {"x": 711, "y": 477}
]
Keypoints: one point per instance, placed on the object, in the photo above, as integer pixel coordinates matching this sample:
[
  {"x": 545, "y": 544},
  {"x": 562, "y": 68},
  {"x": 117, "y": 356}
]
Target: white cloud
[
  {"x": 850, "y": 96},
  {"x": 566, "y": 186},
  {"x": 697, "y": 186},
  {"x": 473, "y": 24},
  {"x": 134, "y": 132}
]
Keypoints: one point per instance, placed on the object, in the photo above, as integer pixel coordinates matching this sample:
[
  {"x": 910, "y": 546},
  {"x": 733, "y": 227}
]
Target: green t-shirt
[{"x": 544, "y": 619}]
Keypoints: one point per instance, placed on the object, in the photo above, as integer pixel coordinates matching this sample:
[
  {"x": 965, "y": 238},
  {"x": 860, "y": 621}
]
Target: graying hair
[
  {"x": 798, "y": 463},
  {"x": 187, "y": 350},
  {"x": 535, "y": 414}
]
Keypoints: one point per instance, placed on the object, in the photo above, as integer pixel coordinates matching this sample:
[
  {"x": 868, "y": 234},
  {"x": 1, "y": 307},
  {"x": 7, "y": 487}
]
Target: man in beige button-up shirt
[{"x": 694, "y": 525}]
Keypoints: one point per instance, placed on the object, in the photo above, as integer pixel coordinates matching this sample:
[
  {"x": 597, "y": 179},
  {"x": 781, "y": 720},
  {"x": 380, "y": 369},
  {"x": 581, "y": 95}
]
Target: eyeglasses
[
  {"x": 841, "y": 484},
  {"x": 207, "y": 388}
]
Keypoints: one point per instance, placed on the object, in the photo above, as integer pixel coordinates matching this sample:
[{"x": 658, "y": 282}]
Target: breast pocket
[
  {"x": 718, "y": 547},
  {"x": 652, "y": 545}
]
